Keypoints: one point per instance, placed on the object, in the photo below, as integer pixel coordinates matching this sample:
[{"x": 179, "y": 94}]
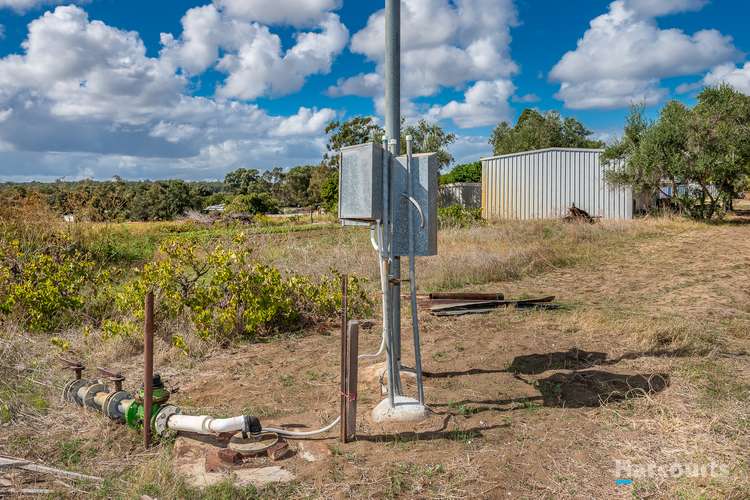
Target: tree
[
  {"x": 329, "y": 192},
  {"x": 246, "y": 181},
  {"x": 535, "y": 130},
  {"x": 703, "y": 153},
  {"x": 256, "y": 203},
  {"x": 468, "y": 172},
  {"x": 357, "y": 130},
  {"x": 429, "y": 137}
]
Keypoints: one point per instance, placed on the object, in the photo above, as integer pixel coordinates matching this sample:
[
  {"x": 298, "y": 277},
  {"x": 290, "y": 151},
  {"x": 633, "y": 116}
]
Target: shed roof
[{"x": 545, "y": 150}]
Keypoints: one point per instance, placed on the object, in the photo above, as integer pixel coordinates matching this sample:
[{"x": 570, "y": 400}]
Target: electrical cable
[
  {"x": 378, "y": 230},
  {"x": 302, "y": 434}
]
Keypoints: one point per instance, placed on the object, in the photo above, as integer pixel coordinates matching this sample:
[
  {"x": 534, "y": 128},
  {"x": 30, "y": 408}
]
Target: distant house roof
[{"x": 215, "y": 208}]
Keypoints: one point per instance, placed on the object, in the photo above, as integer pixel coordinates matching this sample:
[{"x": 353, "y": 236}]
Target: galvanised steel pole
[{"x": 393, "y": 133}]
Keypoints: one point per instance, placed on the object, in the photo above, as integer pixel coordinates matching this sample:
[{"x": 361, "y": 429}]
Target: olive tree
[{"x": 703, "y": 153}]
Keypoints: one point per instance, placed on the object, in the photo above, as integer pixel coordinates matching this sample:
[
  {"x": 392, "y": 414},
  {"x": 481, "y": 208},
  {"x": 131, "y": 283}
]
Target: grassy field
[{"x": 646, "y": 363}]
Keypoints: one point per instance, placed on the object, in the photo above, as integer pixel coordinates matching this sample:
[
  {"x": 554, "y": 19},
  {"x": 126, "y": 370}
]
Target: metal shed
[
  {"x": 466, "y": 194},
  {"x": 545, "y": 183}
]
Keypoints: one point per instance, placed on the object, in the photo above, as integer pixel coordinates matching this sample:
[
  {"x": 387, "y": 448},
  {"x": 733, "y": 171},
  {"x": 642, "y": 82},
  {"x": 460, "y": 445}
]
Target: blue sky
[{"x": 194, "y": 89}]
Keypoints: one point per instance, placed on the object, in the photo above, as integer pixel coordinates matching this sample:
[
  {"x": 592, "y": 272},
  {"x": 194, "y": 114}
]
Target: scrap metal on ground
[
  {"x": 459, "y": 304},
  {"x": 576, "y": 214}
]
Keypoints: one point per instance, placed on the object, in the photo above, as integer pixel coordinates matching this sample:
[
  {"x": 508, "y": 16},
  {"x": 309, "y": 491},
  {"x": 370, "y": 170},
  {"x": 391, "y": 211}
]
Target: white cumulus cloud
[
  {"x": 85, "y": 97},
  {"x": 253, "y": 58},
  {"x": 22, "y": 6},
  {"x": 445, "y": 44},
  {"x": 288, "y": 12},
  {"x": 624, "y": 55},
  {"x": 306, "y": 122},
  {"x": 737, "y": 77},
  {"x": 655, "y": 8},
  {"x": 485, "y": 103}
]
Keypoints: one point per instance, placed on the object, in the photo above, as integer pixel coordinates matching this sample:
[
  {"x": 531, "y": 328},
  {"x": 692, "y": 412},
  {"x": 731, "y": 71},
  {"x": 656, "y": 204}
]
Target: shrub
[
  {"x": 227, "y": 295},
  {"x": 43, "y": 288},
  {"x": 256, "y": 203},
  {"x": 458, "y": 216}
]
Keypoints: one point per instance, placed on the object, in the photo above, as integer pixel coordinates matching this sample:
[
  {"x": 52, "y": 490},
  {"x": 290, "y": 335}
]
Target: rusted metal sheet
[
  {"x": 447, "y": 307},
  {"x": 544, "y": 184},
  {"x": 465, "y": 296}
]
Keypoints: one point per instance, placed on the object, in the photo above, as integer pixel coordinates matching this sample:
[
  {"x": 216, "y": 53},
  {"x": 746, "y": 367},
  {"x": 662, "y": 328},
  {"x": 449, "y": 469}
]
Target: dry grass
[
  {"x": 502, "y": 251},
  {"x": 654, "y": 296}
]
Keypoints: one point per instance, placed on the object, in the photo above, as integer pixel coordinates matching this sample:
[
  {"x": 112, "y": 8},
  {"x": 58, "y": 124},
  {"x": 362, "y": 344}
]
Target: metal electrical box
[
  {"x": 361, "y": 183},
  {"x": 425, "y": 193}
]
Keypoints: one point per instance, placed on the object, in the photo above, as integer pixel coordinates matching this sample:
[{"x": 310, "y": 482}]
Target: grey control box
[
  {"x": 361, "y": 183},
  {"x": 424, "y": 170}
]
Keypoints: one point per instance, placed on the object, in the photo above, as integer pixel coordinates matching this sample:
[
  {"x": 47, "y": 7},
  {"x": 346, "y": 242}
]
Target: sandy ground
[{"x": 540, "y": 404}]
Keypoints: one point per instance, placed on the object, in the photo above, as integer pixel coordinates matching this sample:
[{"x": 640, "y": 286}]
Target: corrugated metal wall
[
  {"x": 544, "y": 184},
  {"x": 466, "y": 194}
]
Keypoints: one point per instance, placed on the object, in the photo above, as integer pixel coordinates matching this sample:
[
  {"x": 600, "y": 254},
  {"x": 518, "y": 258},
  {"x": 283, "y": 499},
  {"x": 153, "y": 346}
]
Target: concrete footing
[{"x": 404, "y": 410}]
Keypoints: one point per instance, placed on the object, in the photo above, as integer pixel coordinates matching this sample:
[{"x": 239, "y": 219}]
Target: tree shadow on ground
[
  {"x": 594, "y": 388},
  {"x": 577, "y": 389},
  {"x": 573, "y": 359},
  {"x": 581, "y": 387}
]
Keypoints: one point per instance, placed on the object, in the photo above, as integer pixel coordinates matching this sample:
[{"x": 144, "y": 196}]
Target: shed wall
[
  {"x": 466, "y": 194},
  {"x": 545, "y": 184}
]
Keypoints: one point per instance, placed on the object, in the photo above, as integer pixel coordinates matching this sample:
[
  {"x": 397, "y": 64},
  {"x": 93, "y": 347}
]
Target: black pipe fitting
[{"x": 252, "y": 425}]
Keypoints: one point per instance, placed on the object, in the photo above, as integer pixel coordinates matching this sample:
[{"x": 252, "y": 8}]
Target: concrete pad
[
  {"x": 261, "y": 476},
  {"x": 404, "y": 410},
  {"x": 313, "y": 451},
  {"x": 190, "y": 463}
]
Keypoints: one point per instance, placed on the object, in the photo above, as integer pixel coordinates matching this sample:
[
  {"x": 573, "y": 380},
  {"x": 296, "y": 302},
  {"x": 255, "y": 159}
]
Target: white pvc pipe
[{"x": 204, "y": 424}]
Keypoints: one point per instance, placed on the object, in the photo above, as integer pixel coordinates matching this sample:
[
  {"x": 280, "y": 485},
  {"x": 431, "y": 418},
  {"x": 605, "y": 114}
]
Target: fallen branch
[
  {"x": 24, "y": 491},
  {"x": 16, "y": 463}
]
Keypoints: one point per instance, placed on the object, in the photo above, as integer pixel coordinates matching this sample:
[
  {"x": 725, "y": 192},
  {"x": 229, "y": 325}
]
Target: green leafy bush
[
  {"x": 468, "y": 172},
  {"x": 43, "y": 288},
  {"x": 458, "y": 216},
  {"x": 227, "y": 295}
]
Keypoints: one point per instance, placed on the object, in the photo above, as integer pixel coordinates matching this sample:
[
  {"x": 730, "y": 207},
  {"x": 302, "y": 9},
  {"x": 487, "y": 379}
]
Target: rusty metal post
[
  {"x": 148, "y": 371},
  {"x": 349, "y": 424},
  {"x": 344, "y": 371}
]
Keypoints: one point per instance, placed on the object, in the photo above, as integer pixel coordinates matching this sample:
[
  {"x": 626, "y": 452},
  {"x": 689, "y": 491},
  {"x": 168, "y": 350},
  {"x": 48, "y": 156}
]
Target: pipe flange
[
  {"x": 111, "y": 406},
  {"x": 72, "y": 388},
  {"x": 90, "y": 394},
  {"x": 66, "y": 390},
  {"x": 161, "y": 419}
]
